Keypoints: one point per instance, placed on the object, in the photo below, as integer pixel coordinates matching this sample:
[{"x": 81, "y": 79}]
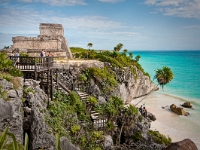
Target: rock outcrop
[
  {"x": 130, "y": 85},
  {"x": 11, "y": 112},
  {"x": 178, "y": 110},
  {"x": 35, "y": 106},
  {"x": 185, "y": 144},
  {"x": 187, "y": 105},
  {"x": 133, "y": 86}
]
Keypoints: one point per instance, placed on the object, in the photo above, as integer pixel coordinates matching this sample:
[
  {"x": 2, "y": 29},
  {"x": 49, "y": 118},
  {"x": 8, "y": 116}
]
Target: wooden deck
[{"x": 32, "y": 64}]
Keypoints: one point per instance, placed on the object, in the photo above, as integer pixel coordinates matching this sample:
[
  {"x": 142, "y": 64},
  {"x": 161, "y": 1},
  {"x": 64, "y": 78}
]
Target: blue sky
[{"x": 137, "y": 24}]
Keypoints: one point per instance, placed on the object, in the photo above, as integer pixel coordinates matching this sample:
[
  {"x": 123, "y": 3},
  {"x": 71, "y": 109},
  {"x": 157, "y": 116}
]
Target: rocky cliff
[
  {"x": 11, "y": 112},
  {"x": 130, "y": 85},
  {"x": 23, "y": 110}
]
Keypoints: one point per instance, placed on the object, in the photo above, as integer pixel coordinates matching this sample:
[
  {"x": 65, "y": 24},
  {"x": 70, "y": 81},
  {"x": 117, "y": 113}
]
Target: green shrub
[
  {"x": 12, "y": 144},
  {"x": 15, "y": 72},
  {"x": 75, "y": 128},
  {"x": 140, "y": 118},
  {"x": 92, "y": 100},
  {"x": 3, "y": 93},
  {"x": 104, "y": 77},
  {"x": 160, "y": 138},
  {"x": 6, "y": 66},
  {"x": 82, "y": 77},
  {"x": 26, "y": 90},
  {"x": 131, "y": 110},
  {"x": 137, "y": 136}
]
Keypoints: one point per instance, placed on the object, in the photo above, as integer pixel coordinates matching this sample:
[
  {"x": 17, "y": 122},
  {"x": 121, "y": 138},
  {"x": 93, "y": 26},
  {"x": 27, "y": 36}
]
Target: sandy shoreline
[{"x": 168, "y": 123}]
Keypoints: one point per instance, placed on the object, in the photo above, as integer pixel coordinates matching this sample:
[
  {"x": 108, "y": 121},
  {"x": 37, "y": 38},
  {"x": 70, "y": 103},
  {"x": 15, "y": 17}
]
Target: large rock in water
[
  {"x": 178, "y": 110},
  {"x": 187, "y": 105}
]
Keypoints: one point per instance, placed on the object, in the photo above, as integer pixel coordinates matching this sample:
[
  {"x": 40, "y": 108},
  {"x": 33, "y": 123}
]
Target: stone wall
[
  {"x": 51, "y": 39},
  {"x": 51, "y": 29}
]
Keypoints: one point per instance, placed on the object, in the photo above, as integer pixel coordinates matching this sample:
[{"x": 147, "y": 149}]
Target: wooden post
[
  {"x": 57, "y": 78},
  {"x": 48, "y": 86},
  {"x": 51, "y": 92},
  {"x": 35, "y": 69}
]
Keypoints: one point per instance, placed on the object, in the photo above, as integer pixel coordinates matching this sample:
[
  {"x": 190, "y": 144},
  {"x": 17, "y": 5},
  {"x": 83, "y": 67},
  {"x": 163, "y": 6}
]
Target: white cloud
[
  {"x": 27, "y": 18},
  {"x": 180, "y": 8},
  {"x": 111, "y": 1},
  {"x": 58, "y": 2}
]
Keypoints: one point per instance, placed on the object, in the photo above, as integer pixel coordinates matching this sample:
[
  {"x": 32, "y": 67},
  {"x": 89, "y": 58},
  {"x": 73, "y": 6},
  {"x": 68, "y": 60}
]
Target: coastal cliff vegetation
[{"x": 69, "y": 116}]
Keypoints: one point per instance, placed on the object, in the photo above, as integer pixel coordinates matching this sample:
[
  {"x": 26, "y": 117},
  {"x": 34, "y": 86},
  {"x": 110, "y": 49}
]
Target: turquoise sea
[
  {"x": 185, "y": 87},
  {"x": 185, "y": 66}
]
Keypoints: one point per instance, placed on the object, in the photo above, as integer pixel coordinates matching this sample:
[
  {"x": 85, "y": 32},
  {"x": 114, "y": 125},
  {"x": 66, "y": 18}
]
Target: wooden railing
[{"x": 32, "y": 63}]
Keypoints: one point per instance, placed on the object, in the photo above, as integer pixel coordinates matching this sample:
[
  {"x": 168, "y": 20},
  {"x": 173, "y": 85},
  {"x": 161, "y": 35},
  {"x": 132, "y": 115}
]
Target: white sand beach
[{"x": 168, "y": 123}]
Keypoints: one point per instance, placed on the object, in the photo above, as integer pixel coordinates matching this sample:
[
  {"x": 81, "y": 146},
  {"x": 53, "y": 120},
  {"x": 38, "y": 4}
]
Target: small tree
[
  {"x": 89, "y": 45},
  {"x": 131, "y": 55},
  {"x": 163, "y": 75},
  {"x": 137, "y": 57},
  {"x": 125, "y": 51},
  {"x": 118, "y": 47}
]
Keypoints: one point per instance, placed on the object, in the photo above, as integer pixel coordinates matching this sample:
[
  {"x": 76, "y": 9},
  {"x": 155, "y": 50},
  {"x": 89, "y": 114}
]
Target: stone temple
[{"x": 51, "y": 39}]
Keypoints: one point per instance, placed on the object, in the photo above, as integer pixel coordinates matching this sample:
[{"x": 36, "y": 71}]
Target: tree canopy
[{"x": 163, "y": 76}]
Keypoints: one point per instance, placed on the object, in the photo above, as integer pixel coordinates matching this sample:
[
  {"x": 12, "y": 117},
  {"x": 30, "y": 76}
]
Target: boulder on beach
[
  {"x": 178, "y": 110},
  {"x": 187, "y": 105},
  {"x": 185, "y": 144}
]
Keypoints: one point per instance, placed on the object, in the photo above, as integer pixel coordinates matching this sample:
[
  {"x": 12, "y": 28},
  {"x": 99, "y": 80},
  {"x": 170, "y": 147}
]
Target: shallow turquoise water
[
  {"x": 184, "y": 87},
  {"x": 185, "y": 66}
]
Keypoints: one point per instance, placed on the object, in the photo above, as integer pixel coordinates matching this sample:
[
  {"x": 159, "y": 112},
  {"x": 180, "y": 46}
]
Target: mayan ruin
[{"x": 51, "y": 39}]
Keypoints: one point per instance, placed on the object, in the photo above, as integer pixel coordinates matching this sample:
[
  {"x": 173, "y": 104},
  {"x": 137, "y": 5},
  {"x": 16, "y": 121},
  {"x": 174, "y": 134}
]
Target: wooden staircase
[{"x": 98, "y": 122}]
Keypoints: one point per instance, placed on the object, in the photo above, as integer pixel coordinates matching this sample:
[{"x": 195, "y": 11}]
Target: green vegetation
[
  {"x": 115, "y": 57},
  {"x": 105, "y": 77},
  {"x": 6, "y": 66},
  {"x": 163, "y": 75},
  {"x": 3, "y": 94},
  {"x": 77, "y": 50},
  {"x": 14, "y": 80},
  {"x": 14, "y": 144},
  {"x": 137, "y": 136},
  {"x": 65, "y": 115},
  {"x": 90, "y": 45},
  {"x": 159, "y": 138},
  {"x": 26, "y": 90}
]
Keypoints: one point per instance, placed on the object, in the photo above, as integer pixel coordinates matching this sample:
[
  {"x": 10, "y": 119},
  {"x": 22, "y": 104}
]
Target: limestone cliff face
[
  {"x": 29, "y": 116},
  {"x": 130, "y": 85},
  {"x": 133, "y": 86},
  {"x": 11, "y": 112}
]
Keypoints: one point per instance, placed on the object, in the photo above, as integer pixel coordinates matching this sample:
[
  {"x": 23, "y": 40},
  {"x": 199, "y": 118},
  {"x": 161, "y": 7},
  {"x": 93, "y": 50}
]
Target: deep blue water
[{"x": 185, "y": 66}]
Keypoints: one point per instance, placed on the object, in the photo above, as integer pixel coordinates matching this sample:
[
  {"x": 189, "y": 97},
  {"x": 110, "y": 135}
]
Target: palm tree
[
  {"x": 118, "y": 47},
  {"x": 163, "y": 75},
  {"x": 131, "y": 55},
  {"x": 89, "y": 45},
  {"x": 125, "y": 51},
  {"x": 137, "y": 57}
]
